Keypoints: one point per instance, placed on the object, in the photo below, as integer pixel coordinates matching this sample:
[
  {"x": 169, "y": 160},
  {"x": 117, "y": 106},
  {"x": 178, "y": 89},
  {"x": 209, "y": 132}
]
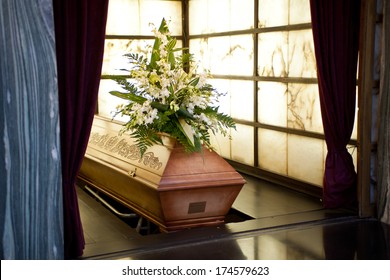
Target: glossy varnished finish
[
  {"x": 169, "y": 187},
  {"x": 357, "y": 239},
  {"x": 286, "y": 231}
]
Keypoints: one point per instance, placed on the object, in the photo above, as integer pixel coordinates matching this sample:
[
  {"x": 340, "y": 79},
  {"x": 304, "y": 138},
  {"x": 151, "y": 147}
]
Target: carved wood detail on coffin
[{"x": 115, "y": 145}]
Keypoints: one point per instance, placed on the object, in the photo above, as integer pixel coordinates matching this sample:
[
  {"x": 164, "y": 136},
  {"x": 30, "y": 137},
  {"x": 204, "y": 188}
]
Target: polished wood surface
[{"x": 167, "y": 186}]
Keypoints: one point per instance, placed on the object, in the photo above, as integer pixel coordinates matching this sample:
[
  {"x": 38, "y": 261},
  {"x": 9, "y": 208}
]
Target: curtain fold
[
  {"x": 79, "y": 31},
  {"x": 383, "y": 167},
  {"x": 335, "y": 25}
]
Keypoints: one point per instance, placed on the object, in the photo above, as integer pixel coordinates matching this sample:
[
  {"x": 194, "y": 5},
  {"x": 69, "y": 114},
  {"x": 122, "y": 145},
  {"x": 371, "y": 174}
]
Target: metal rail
[{"x": 123, "y": 215}]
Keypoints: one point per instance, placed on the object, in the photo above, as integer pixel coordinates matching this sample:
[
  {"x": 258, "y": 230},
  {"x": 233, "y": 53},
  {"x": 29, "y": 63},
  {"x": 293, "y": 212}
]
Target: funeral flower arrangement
[{"x": 166, "y": 95}]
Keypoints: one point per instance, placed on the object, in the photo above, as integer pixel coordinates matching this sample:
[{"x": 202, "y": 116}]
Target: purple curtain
[
  {"x": 335, "y": 26},
  {"x": 79, "y": 31}
]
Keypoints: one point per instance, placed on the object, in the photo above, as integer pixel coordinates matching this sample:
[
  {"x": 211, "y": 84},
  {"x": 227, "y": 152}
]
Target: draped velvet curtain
[
  {"x": 335, "y": 25},
  {"x": 79, "y": 31},
  {"x": 384, "y": 123}
]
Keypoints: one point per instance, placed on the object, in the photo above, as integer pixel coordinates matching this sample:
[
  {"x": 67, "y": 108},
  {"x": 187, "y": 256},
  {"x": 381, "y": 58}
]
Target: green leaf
[
  {"x": 194, "y": 82},
  {"x": 157, "y": 43},
  {"x": 129, "y": 96}
]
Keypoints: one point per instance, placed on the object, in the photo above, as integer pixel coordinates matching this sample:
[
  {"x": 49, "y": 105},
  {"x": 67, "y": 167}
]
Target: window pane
[
  {"x": 118, "y": 20},
  {"x": 306, "y": 159},
  {"x": 225, "y": 55},
  {"x": 107, "y": 103},
  {"x": 223, "y": 86},
  {"x": 232, "y": 15},
  {"x": 300, "y": 11},
  {"x": 287, "y": 54},
  {"x": 283, "y": 12},
  {"x": 273, "y": 59},
  {"x": 115, "y": 49},
  {"x": 239, "y": 148},
  {"x": 127, "y": 17},
  {"x": 272, "y": 103},
  {"x": 152, "y": 11},
  {"x": 242, "y": 144},
  {"x": 273, "y": 151},
  {"x": 273, "y": 13},
  {"x": 222, "y": 145},
  {"x": 304, "y": 110},
  {"x": 242, "y": 103},
  {"x": 238, "y": 101},
  {"x": 113, "y": 59},
  {"x": 354, "y": 131},
  {"x": 301, "y": 57}
]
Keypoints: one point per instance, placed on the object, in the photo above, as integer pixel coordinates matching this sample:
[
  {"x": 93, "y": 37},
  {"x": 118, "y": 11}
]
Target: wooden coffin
[{"x": 171, "y": 188}]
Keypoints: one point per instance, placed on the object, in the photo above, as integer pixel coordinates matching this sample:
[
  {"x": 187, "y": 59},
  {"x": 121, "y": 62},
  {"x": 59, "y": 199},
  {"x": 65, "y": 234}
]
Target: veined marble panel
[
  {"x": 114, "y": 51},
  {"x": 238, "y": 101},
  {"x": 301, "y": 56},
  {"x": 287, "y": 54},
  {"x": 223, "y": 86},
  {"x": 273, "y": 54},
  {"x": 209, "y": 16},
  {"x": 272, "y": 103},
  {"x": 273, "y": 13},
  {"x": 273, "y": 151},
  {"x": 133, "y": 17},
  {"x": 305, "y": 159},
  {"x": 242, "y": 144},
  {"x": 107, "y": 102},
  {"x": 222, "y": 145},
  {"x": 283, "y": 12},
  {"x": 303, "y": 108},
  {"x": 231, "y": 55},
  {"x": 31, "y": 187},
  {"x": 299, "y": 11}
]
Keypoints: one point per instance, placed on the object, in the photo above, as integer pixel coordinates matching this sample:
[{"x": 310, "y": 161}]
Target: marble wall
[{"x": 30, "y": 173}]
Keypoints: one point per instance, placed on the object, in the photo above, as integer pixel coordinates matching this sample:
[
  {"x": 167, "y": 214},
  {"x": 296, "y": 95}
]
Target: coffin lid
[{"x": 162, "y": 167}]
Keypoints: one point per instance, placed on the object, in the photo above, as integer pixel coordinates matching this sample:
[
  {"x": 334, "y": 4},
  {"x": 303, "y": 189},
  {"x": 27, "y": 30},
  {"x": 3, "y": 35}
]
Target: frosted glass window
[
  {"x": 242, "y": 100},
  {"x": 231, "y": 15},
  {"x": 118, "y": 20},
  {"x": 299, "y": 11},
  {"x": 272, "y": 149},
  {"x": 152, "y": 11},
  {"x": 287, "y": 54},
  {"x": 354, "y": 131},
  {"x": 305, "y": 159},
  {"x": 223, "y": 86},
  {"x": 113, "y": 59},
  {"x": 107, "y": 103},
  {"x": 115, "y": 49},
  {"x": 273, "y": 13},
  {"x": 221, "y": 144},
  {"x": 133, "y": 16},
  {"x": 273, "y": 51},
  {"x": 283, "y": 12},
  {"x": 353, "y": 151},
  {"x": 272, "y": 103},
  {"x": 242, "y": 144},
  {"x": 231, "y": 55},
  {"x": 301, "y": 57},
  {"x": 304, "y": 110},
  {"x": 239, "y": 147},
  {"x": 238, "y": 101}
]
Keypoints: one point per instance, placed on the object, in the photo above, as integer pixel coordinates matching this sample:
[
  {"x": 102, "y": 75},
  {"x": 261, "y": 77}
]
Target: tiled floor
[{"x": 284, "y": 224}]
